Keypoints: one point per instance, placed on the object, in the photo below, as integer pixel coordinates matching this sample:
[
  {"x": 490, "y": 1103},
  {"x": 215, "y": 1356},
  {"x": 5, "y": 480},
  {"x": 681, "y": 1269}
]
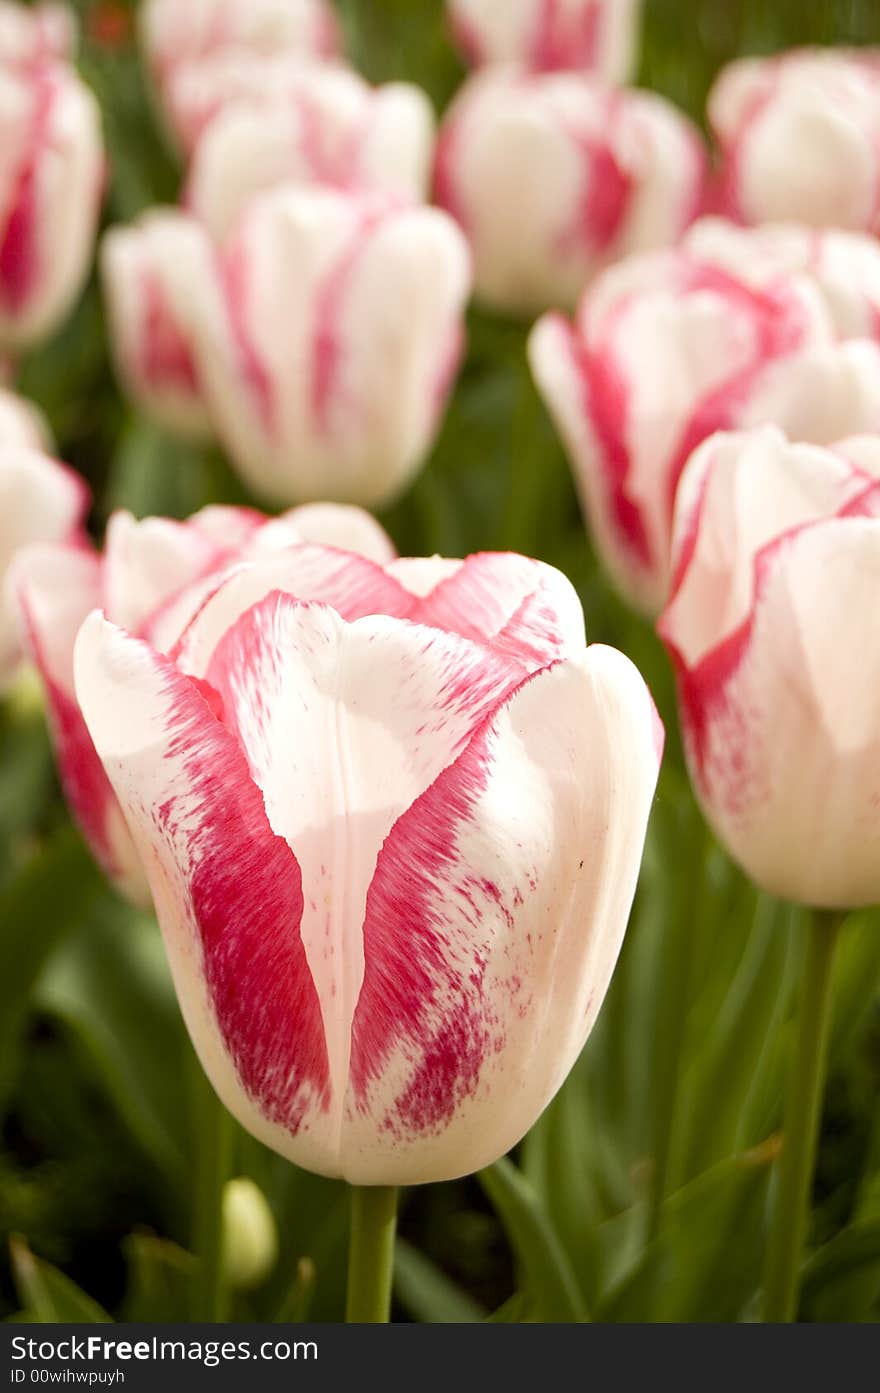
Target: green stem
[
  {"x": 802, "y": 1116},
  {"x": 212, "y": 1169},
  {"x": 672, "y": 1016},
  {"x": 371, "y": 1253}
]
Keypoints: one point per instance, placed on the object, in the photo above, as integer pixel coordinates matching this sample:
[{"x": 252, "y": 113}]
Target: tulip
[
  {"x": 177, "y": 38},
  {"x": 843, "y": 266},
  {"x": 31, "y": 34},
  {"x": 597, "y": 36},
  {"x": 327, "y": 344},
  {"x": 552, "y": 176},
  {"x": 151, "y": 577},
  {"x": 40, "y": 501},
  {"x": 773, "y": 629},
  {"x": 392, "y": 840},
  {"x": 154, "y": 359},
  {"x": 51, "y": 180},
  {"x": 668, "y": 349},
  {"x": 326, "y": 126},
  {"x": 799, "y": 136}
]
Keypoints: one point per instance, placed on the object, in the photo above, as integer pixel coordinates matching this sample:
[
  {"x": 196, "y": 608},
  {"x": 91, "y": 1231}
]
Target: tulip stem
[
  {"x": 213, "y": 1158},
  {"x": 802, "y": 1116},
  {"x": 371, "y": 1253}
]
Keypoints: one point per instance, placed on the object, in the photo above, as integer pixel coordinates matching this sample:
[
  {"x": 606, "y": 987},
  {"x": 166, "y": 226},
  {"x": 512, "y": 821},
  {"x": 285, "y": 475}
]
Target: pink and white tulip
[
  {"x": 151, "y": 578},
  {"x": 51, "y": 183},
  {"x": 40, "y": 501},
  {"x": 799, "y": 136},
  {"x": 665, "y": 350},
  {"x": 392, "y": 840},
  {"x": 553, "y": 176},
  {"x": 324, "y": 125},
  {"x": 597, "y": 36},
  {"x": 155, "y": 360},
  {"x": 31, "y": 34},
  {"x": 773, "y": 628},
  {"x": 214, "y": 36},
  {"x": 327, "y": 342}
]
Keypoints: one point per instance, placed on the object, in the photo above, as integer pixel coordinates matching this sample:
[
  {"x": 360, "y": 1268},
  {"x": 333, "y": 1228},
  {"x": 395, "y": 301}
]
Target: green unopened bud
[{"x": 250, "y": 1238}]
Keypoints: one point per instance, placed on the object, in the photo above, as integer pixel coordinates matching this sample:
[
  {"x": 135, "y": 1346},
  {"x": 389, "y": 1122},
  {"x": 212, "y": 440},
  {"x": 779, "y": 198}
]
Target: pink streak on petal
[
  {"x": 606, "y": 395},
  {"x": 245, "y": 889},
  {"x": 20, "y": 240},
  {"x": 407, "y": 974},
  {"x": 560, "y": 44},
  {"x": 327, "y": 333},
  {"x": 166, "y": 357},
  {"x": 234, "y": 270}
]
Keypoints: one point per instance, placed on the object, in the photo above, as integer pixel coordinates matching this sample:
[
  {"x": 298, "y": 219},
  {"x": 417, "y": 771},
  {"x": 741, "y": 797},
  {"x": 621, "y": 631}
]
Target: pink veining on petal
[
  {"x": 20, "y": 265},
  {"x": 166, "y": 357},
  {"x": 779, "y": 327},
  {"x": 561, "y": 42},
  {"x": 606, "y": 397},
  {"x": 234, "y": 272},
  {"x": 245, "y": 889},
  {"x": 327, "y": 333},
  {"x": 608, "y": 188},
  {"x": 408, "y": 972},
  {"x": 86, "y": 785},
  {"x": 446, "y": 156}
]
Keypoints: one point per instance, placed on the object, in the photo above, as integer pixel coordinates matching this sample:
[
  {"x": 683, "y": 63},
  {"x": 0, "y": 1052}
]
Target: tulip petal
[
  {"x": 739, "y": 491},
  {"x": 494, "y": 920},
  {"x": 353, "y": 585},
  {"x": 56, "y": 587},
  {"x": 524, "y": 607},
  {"x": 781, "y": 721},
  {"x": 227, "y": 890},
  {"x": 343, "y": 727}
]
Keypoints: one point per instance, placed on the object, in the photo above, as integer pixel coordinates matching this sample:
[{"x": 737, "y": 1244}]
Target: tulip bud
[
  {"x": 666, "y": 350},
  {"x": 40, "y": 501},
  {"x": 843, "y": 266},
  {"x": 327, "y": 126},
  {"x": 154, "y": 359},
  {"x": 772, "y": 626},
  {"x": 554, "y": 175},
  {"x": 31, "y": 34},
  {"x": 393, "y": 844},
  {"x": 327, "y": 345},
  {"x": 152, "y": 577},
  {"x": 799, "y": 136},
  {"x": 597, "y": 36},
  {"x": 250, "y": 1236},
  {"x": 184, "y": 37},
  {"x": 51, "y": 179}
]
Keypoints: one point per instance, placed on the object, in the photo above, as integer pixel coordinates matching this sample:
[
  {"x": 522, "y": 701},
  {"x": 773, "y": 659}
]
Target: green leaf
[
  {"x": 38, "y": 910},
  {"x": 160, "y": 1277},
  {"x": 841, "y": 1282},
  {"x": 427, "y": 1293},
  {"x": 48, "y": 1295},
  {"x": 112, "y": 988},
  {"x": 705, "y": 1264},
  {"x": 547, "y": 1271}
]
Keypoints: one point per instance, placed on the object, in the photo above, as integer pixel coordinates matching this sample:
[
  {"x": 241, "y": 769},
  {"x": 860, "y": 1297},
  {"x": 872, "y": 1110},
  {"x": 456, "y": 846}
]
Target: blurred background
[{"x": 97, "y": 1117}]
